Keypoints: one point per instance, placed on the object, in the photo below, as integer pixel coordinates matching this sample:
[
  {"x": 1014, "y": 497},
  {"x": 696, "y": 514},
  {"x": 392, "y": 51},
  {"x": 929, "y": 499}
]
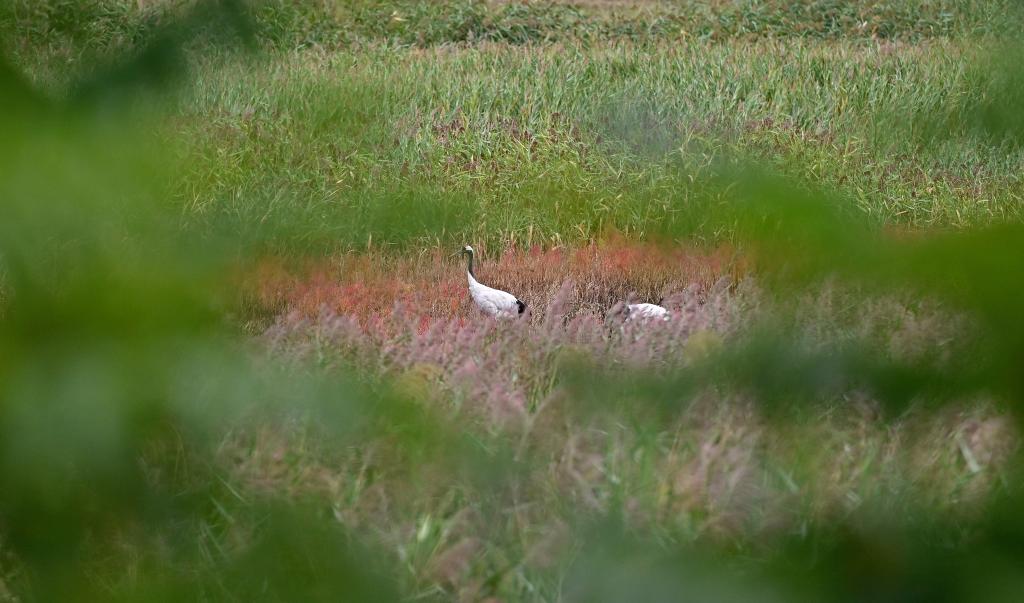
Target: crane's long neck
[{"x": 469, "y": 266}]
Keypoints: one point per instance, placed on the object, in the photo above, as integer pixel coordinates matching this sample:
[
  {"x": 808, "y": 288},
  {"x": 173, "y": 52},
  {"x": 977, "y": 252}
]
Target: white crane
[
  {"x": 646, "y": 312},
  {"x": 493, "y": 302}
]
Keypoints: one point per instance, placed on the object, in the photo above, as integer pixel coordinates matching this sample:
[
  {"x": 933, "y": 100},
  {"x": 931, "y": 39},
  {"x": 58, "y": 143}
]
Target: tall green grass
[
  {"x": 109, "y": 24},
  {"x": 52, "y": 34},
  {"x": 556, "y": 144},
  {"x": 486, "y": 137}
]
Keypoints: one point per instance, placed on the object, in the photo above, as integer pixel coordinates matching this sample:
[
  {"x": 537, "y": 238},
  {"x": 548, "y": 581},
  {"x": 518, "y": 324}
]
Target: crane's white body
[
  {"x": 646, "y": 312},
  {"x": 491, "y": 301}
]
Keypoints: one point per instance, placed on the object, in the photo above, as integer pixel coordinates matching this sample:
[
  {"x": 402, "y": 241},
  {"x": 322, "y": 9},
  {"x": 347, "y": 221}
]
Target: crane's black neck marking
[
  {"x": 522, "y": 306},
  {"x": 470, "y": 266}
]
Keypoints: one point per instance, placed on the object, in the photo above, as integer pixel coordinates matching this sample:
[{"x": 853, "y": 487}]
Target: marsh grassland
[{"x": 239, "y": 362}]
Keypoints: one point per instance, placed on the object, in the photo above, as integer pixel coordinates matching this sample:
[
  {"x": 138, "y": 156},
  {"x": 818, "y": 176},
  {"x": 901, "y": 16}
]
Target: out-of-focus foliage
[
  {"x": 121, "y": 372},
  {"x": 118, "y": 368}
]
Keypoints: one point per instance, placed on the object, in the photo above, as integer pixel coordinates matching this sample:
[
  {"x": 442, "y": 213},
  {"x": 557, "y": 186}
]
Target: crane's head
[{"x": 467, "y": 249}]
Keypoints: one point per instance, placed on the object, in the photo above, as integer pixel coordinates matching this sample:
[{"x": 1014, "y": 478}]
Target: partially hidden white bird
[
  {"x": 493, "y": 302},
  {"x": 646, "y": 312}
]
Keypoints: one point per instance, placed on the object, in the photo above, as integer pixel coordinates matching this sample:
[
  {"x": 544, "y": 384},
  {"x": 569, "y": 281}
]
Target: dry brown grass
[
  {"x": 719, "y": 473},
  {"x": 709, "y": 467}
]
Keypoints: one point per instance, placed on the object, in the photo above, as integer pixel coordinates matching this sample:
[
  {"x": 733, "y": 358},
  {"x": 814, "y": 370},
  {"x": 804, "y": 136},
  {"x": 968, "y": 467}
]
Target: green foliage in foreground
[{"x": 119, "y": 376}]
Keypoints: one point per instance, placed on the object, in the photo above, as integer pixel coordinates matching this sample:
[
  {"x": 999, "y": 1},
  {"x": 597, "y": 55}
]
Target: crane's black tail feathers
[{"x": 522, "y": 306}]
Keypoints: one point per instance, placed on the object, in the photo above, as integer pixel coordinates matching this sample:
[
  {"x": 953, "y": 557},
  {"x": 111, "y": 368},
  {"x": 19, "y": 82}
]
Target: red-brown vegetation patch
[{"x": 432, "y": 285}]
